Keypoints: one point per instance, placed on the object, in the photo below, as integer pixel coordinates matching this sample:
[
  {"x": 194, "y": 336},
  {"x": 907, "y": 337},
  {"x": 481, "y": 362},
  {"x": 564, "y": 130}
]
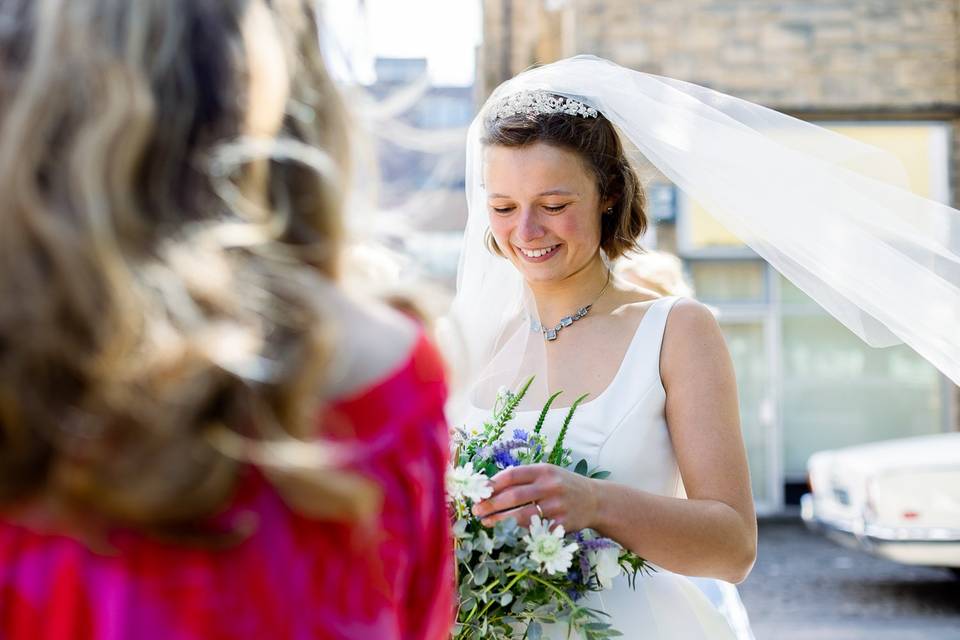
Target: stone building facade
[
  {"x": 874, "y": 62},
  {"x": 794, "y": 55},
  {"x": 856, "y": 59}
]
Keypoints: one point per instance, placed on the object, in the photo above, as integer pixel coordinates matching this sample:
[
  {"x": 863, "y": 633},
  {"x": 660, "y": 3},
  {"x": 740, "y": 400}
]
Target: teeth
[{"x": 536, "y": 253}]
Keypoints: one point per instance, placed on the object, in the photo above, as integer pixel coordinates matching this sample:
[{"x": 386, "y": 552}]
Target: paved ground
[{"x": 805, "y": 587}]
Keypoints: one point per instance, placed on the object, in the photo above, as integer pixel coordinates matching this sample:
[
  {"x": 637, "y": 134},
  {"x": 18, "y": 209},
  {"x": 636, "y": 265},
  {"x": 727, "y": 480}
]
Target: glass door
[{"x": 752, "y": 347}]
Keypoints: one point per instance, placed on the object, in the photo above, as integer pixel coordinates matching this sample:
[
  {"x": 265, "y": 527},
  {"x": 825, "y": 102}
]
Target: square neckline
[{"x": 616, "y": 376}]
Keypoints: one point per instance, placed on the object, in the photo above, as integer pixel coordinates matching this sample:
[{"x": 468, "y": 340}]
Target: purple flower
[
  {"x": 521, "y": 434},
  {"x": 503, "y": 458},
  {"x": 584, "y": 567},
  {"x": 596, "y": 544}
]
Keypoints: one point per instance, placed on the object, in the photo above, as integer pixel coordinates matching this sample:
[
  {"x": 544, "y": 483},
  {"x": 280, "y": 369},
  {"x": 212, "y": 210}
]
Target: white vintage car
[{"x": 898, "y": 499}]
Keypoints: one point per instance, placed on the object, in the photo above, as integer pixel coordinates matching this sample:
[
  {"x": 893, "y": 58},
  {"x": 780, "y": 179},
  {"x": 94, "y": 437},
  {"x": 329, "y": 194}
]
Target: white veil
[{"x": 831, "y": 214}]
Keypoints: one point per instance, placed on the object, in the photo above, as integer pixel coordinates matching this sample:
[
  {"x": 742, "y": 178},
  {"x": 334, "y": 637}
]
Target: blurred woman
[{"x": 201, "y": 436}]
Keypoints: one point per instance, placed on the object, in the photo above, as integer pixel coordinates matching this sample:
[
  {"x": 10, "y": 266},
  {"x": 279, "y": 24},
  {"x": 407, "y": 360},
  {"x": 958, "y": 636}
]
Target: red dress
[{"x": 294, "y": 577}]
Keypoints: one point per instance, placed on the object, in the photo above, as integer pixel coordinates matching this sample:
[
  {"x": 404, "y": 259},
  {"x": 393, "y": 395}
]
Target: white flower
[
  {"x": 464, "y": 482},
  {"x": 547, "y": 547},
  {"x": 606, "y": 562},
  {"x": 503, "y": 393}
]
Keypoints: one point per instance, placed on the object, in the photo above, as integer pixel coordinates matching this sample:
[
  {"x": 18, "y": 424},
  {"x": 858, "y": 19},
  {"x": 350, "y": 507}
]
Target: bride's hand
[{"x": 565, "y": 497}]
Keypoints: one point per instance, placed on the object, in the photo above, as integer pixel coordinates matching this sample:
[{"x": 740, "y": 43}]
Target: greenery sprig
[{"x": 559, "y": 453}]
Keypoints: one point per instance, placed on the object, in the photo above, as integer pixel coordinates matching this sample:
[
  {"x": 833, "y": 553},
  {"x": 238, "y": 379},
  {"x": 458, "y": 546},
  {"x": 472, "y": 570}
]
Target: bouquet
[{"x": 513, "y": 579}]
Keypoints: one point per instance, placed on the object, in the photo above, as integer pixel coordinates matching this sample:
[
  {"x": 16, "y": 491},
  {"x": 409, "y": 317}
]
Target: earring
[{"x": 608, "y": 211}]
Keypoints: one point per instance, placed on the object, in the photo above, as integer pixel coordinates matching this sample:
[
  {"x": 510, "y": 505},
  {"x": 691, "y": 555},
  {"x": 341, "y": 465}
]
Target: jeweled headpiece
[{"x": 537, "y": 103}]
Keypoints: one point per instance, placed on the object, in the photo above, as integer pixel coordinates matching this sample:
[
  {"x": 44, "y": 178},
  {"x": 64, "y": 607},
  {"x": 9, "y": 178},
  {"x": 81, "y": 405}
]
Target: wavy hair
[{"x": 158, "y": 325}]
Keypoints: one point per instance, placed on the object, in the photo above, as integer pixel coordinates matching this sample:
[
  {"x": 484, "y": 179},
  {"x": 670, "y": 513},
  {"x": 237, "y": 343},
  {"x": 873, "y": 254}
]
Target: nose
[{"x": 528, "y": 226}]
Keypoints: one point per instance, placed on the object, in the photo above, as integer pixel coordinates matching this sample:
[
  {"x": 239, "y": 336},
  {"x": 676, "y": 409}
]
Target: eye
[
  {"x": 502, "y": 210},
  {"x": 555, "y": 208}
]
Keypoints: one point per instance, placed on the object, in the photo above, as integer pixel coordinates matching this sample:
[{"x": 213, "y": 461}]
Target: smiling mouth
[{"x": 538, "y": 253}]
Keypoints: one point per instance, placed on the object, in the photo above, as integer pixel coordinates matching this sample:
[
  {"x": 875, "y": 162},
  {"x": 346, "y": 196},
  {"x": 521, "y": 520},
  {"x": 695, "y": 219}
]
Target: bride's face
[{"x": 544, "y": 209}]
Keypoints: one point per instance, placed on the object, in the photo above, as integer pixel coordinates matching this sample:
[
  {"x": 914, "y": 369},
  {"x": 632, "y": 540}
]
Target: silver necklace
[{"x": 551, "y": 334}]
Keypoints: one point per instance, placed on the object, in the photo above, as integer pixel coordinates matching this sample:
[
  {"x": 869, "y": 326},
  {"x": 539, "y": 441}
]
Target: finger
[
  {"x": 522, "y": 514},
  {"x": 507, "y": 499},
  {"x": 524, "y": 474}
]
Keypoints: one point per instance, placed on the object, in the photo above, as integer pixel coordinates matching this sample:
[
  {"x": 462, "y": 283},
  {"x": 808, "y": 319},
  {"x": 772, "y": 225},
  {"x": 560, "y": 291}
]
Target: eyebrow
[{"x": 551, "y": 192}]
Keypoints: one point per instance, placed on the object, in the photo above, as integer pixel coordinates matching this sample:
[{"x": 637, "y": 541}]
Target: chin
[{"x": 536, "y": 273}]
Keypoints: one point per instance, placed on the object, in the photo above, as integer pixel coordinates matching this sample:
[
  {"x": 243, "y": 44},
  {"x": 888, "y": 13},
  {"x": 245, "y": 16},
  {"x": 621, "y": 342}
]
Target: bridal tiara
[{"x": 539, "y": 102}]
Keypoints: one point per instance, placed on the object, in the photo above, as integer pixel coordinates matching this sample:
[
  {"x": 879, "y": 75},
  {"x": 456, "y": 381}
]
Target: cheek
[
  {"x": 582, "y": 228},
  {"x": 500, "y": 228}
]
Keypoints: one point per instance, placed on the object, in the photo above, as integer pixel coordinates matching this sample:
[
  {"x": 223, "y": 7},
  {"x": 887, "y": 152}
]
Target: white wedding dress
[{"x": 623, "y": 431}]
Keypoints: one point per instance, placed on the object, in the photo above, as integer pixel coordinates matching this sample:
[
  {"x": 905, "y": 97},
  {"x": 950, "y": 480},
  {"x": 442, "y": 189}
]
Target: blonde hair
[
  {"x": 658, "y": 271},
  {"x": 155, "y": 324}
]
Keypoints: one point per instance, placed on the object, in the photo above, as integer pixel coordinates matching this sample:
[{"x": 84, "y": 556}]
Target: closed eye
[
  {"x": 502, "y": 210},
  {"x": 555, "y": 208}
]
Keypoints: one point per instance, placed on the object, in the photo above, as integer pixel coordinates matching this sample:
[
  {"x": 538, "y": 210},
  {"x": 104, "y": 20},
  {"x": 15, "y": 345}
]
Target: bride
[
  {"x": 554, "y": 200},
  {"x": 562, "y": 201}
]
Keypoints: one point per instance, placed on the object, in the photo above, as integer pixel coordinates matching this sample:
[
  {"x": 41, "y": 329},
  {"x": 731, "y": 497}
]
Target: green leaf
[
  {"x": 481, "y": 574},
  {"x": 506, "y": 599},
  {"x": 534, "y": 631},
  {"x": 581, "y": 468},
  {"x": 600, "y": 475},
  {"x": 557, "y": 452},
  {"x": 506, "y": 414},
  {"x": 544, "y": 411}
]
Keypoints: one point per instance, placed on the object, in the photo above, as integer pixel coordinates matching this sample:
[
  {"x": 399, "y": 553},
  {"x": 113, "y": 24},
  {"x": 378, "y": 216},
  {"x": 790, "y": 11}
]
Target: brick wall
[{"x": 792, "y": 54}]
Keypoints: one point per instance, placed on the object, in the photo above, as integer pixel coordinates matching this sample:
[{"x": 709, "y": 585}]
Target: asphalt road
[{"x": 805, "y": 587}]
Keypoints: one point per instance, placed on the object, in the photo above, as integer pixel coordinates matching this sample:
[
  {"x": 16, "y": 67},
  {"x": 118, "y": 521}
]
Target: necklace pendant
[{"x": 551, "y": 334}]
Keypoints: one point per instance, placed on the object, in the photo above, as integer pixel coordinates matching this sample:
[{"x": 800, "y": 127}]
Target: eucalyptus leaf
[
  {"x": 481, "y": 574},
  {"x": 534, "y": 631},
  {"x": 581, "y": 467}
]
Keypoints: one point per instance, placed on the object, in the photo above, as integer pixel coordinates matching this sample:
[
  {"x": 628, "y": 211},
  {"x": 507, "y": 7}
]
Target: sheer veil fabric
[{"x": 831, "y": 214}]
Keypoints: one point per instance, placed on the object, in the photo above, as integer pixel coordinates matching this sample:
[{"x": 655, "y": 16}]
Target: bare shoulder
[
  {"x": 372, "y": 340},
  {"x": 692, "y": 340},
  {"x": 630, "y": 301},
  {"x": 689, "y": 318}
]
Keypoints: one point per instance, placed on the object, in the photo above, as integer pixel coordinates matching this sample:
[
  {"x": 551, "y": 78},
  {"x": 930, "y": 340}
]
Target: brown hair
[
  {"x": 149, "y": 313},
  {"x": 597, "y": 144}
]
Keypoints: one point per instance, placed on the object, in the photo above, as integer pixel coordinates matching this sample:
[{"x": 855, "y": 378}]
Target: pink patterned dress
[{"x": 294, "y": 577}]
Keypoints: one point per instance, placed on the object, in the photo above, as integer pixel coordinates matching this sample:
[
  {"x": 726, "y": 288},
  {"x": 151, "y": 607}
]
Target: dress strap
[
  {"x": 658, "y": 323},
  {"x": 643, "y": 354},
  {"x": 656, "y": 326}
]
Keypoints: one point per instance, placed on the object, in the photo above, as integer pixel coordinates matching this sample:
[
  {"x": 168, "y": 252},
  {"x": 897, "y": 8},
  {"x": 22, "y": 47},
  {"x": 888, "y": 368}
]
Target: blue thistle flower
[
  {"x": 504, "y": 458},
  {"x": 521, "y": 434}
]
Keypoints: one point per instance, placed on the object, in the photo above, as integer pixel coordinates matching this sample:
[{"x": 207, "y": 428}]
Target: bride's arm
[{"x": 713, "y": 532}]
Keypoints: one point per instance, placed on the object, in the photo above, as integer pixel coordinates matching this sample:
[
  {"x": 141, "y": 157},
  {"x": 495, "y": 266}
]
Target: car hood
[{"x": 938, "y": 450}]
